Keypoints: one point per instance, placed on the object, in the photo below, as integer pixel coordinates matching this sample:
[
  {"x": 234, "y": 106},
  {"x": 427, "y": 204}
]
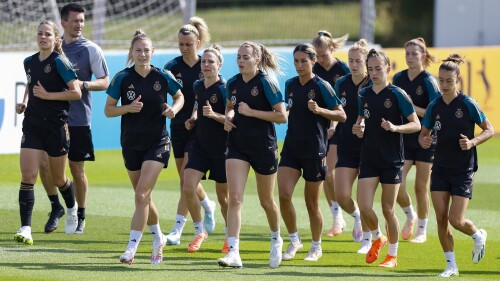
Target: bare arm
[
  {"x": 111, "y": 109},
  {"x": 487, "y": 133},
  {"x": 100, "y": 84},
  {"x": 278, "y": 115},
  {"x": 336, "y": 114},
  {"x": 359, "y": 127},
  {"x": 228, "y": 120},
  {"x": 171, "y": 111},
  {"x": 412, "y": 126},
  {"x": 21, "y": 107},
  {"x": 73, "y": 93}
]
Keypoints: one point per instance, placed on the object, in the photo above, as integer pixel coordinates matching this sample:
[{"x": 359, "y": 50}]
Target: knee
[
  {"x": 141, "y": 198},
  {"x": 456, "y": 221},
  {"x": 388, "y": 212},
  {"x": 235, "y": 201},
  {"x": 285, "y": 197},
  {"x": 312, "y": 206},
  {"x": 189, "y": 190},
  {"x": 267, "y": 204}
]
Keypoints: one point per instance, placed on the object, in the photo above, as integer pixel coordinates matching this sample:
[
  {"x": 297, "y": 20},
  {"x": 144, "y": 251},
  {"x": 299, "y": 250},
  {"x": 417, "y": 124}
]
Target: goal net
[{"x": 110, "y": 23}]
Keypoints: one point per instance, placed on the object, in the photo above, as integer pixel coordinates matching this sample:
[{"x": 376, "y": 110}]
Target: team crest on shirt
[
  {"x": 254, "y": 92},
  {"x": 47, "y": 68},
  {"x": 459, "y": 113},
  {"x": 366, "y": 112},
  {"x": 343, "y": 101},
  {"x": 311, "y": 95},
  {"x": 157, "y": 86},
  {"x": 233, "y": 100},
  {"x": 419, "y": 90},
  {"x": 336, "y": 78},
  {"x": 131, "y": 95},
  {"x": 437, "y": 126},
  {"x": 28, "y": 77},
  {"x": 388, "y": 103},
  {"x": 213, "y": 98}
]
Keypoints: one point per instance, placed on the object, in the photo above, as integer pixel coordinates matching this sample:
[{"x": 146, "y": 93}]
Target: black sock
[
  {"x": 68, "y": 193},
  {"x": 54, "y": 202},
  {"x": 26, "y": 203},
  {"x": 81, "y": 213}
]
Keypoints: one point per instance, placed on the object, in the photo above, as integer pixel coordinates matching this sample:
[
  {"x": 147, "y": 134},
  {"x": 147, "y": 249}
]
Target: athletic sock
[
  {"x": 54, "y": 202},
  {"x": 367, "y": 235},
  {"x": 198, "y": 227},
  {"x": 409, "y": 212},
  {"x": 335, "y": 208},
  {"x": 376, "y": 234},
  {"x": 26, "y": 203},
  {"x": 422, "y": 225},
  {"x": 478, "y": 237},
  {"x": 234, "y": 244},
  {"x": 393, "y": 249},
  {"x": 135, "y": 239},
  {"x": 155, "y": 231},
  {"x": 356, "y": 215},
  {"x": 180, "y": 222},
  {"x": 275, "y": 234},
  {"x": 316, "y": 244},
  {"x": 68, "y": 193},
  {"x": 80, "y": 213},
  {"x": 294, "y": 237},
  {"x": 450, "y": 259},
  {"x": 204, "y": 204}
]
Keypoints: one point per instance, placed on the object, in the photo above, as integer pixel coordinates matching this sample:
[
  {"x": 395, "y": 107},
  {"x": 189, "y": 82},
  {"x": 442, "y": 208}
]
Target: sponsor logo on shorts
[{"x": 87, "y": 156}]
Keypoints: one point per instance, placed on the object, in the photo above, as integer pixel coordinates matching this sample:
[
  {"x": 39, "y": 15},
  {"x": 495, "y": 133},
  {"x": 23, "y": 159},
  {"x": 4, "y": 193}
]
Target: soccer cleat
[
  {"x": 314, "y": 254},
  {"x": 195, "y": 245},
  {"x": 389, "y": 262},
  {"x": 53, "y": 220},
  {"x": 337, "y": 227},
  {"x": 407, "y": 230},
  {"x": 174, "y": 238},
  {"x": 81, "y": 226},
  {"x": 127, "y": 257},
  {"x": 71, "y": 220},
  {"x": 23, "y": 235},
  {"x": 479, "y": 249},
  {"x": 291, "y": 250},
  {"x": 225, "y": 247},
  {"x": 232, "y": 259},
  {"x": 209, "y": 219},
  {"x": 449, "y": 271},
  {"x": 365, "y": 246},
  {"x": 157, "y": 252},
  {"x": 276, "y": 253},
  {"x": 374, "y": 251},
  {"x": 357, "y": 232},
  {"x": 420, "y": 237}
]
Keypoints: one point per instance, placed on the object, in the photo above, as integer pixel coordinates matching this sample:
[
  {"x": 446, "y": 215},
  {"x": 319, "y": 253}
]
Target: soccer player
[
  {"x": 453, "y": 116},
  {"x": 209, "y": 146},
  {"x": 331, "y": 69},
  {"x": 349, "y": 146},
  {"x": 187, "y": 69},
  {"x": 142, "y": 89},
  {"x": 254, "y": 103},
  {"x": 422, "y": 88},
  {"x": 51, "y": 83},
  {"x": 383, "y": 108},
  {"x": 312, "y": 105}
]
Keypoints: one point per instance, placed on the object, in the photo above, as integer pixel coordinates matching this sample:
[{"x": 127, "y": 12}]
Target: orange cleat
[
  {"x": 375, "y": 249},
  {"x": 389, "y": 262},
  {"x": 225, "y": 248},
  {"x": 195, "y": 245}
]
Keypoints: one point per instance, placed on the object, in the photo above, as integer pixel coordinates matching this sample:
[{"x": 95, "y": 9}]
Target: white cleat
[
  {"x": 338, "y": 226},
  {"x": 449, "y": 272},
  {"x": 232, "y": 259},
  {"x": 357, "y": 232},
  {"x": 276, "y": 252},
  {"x": 71, "y": 219},
  {"x": 364, "y": 247},
  {"x": 127, "y": 257},
  {"x": 314, "y": 254},
  {"x": 23, "y": 235},
  {"x": 291, "y": 250},
  {"x": 420, "y": 237},
  {"x": 173, "y": 238},
  {"x": 479, "y": 249},
  {"x": 157, "y": 252},
  {"x": 209, "y": 218}
]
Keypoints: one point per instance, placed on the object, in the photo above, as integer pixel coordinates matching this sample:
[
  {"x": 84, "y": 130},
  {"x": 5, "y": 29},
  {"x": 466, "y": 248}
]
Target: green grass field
[{"x": 94, "y": 255}]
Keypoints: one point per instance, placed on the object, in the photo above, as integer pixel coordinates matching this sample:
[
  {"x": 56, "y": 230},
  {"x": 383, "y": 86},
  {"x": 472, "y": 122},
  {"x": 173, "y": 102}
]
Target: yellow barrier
[{"x": 479, "y": 74}]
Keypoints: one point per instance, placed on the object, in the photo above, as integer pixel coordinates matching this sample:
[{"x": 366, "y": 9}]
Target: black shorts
[
  {"x": 346, "y": 160},
  {"x": 47, "y": 134},
  {"x": 386, "y": 176},
  {"x": 182, "y": 140},
  {"x": 459, "y": 184},
  {"x": 419, "y": 154},
  {"x": 262, "y": 163},
  {"x": 200, "y": 161},
  {"x": 313, "y": 170},
  {"x": 134, "y": 158},
  {"x": 81, "y": 148},
  {"x": 334, "y": 139}
]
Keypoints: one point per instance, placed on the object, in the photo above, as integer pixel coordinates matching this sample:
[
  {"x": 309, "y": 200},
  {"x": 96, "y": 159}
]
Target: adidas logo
[
  {"x": 233, "y": 92},
  {"x": 178, "y": 222},
  {"x": 178, "y": 75},
  {"x": 397, "y": 177},
  {"x": 29, "y": 70},
  {"x": 133, "y": 240},
  {"x": 272, "y": 168},
  {"x": 366, "y": 105},
  {"x": 438, "y": 117},
  {"x": 131, "y": 86},
  {"x": 87, "y": 155},
  {"x": 467, "y": 191},
  {"x": 159, "y": 156},
  {"x": 318, "y": 175},
  {"x": 153, "y": 232},
  {"x": 448, "y": 261}
]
